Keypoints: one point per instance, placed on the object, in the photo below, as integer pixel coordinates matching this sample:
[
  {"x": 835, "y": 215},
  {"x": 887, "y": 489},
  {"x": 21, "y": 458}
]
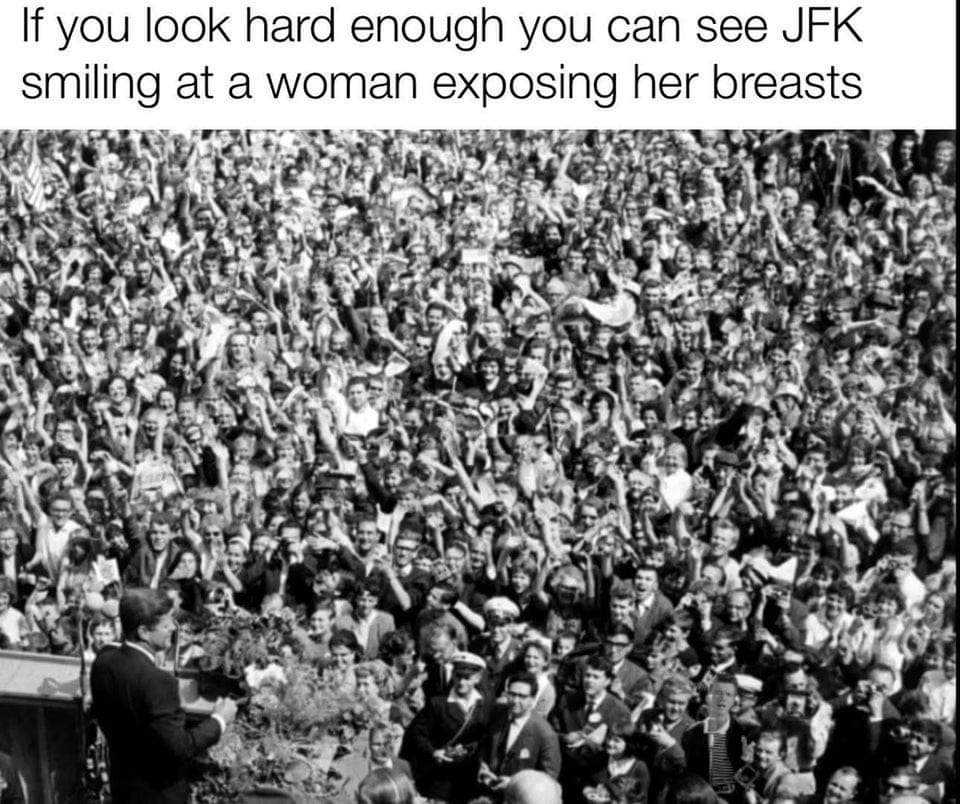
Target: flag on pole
[{"x": 33, "y": 188}]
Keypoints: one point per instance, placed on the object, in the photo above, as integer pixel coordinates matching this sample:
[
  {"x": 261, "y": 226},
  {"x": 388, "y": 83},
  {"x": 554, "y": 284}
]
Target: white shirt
[
  {"x": 914, "y": 592},
  {"x": 362, "y": 629},
  {"x": 52, "y": 544},
  {"x": 466, "y": 704},
  {"x": 516, "y": 726},
  {"x": 360, "y": 422},
  {"x": 149, "y": 654},
  {"x": 675, "y": 488},
  {"x": 13, "y": 625}
]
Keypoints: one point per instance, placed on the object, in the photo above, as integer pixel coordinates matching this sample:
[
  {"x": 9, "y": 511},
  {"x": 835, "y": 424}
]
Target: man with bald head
[{"x": 532, "y": 787}]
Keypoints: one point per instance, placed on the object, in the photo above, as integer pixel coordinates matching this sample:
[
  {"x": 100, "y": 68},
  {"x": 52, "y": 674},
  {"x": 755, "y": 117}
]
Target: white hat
[
  {"x": 501, "y": 607},
  {"x": 467, "y": 659},
  {"x": 748, "y": 683},
  {"x": 789, "y": 389}
]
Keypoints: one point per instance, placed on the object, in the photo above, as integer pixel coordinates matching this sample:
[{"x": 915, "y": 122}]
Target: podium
[{"x": 42, "y": 722}]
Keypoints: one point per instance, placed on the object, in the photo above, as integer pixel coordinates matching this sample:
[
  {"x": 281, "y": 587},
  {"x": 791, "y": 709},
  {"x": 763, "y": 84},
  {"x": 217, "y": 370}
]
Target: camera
[{"x": 747, "y": 776}]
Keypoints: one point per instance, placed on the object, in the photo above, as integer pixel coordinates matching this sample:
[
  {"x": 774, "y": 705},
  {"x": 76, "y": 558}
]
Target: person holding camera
[{"x": 767, "y": 778}]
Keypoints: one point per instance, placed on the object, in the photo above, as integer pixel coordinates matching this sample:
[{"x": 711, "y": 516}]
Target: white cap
[
  {"x": 501, "y": 607},
  {"x": 748, "y": 683},
  {"x": 467, "y": 659}
]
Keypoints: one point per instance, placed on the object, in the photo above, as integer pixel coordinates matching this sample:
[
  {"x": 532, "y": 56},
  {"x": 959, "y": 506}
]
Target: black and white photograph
[{"x": 478, "y": 466}]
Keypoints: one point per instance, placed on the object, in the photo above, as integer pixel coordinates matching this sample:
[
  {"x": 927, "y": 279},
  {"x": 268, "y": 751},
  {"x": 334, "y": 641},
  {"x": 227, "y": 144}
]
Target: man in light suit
[{"x": 521, "y": 741}]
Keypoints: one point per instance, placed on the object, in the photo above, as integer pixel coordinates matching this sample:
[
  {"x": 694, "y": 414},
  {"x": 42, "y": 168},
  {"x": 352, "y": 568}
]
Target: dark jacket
[
  {"x": 22, "y": 554},
  {"x": 572, "y": 715},
  {"x": 630, "y": 787},
  {"x": 143, "y": 563},
  {"x": 442, "y": 724},
  {"x": 536, "y": 748},
  {"x": 137, "y": 706}
]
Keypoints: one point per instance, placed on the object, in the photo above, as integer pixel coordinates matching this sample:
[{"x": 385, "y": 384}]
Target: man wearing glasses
[
  {"x": 629, "y": 680},
  {"x": 521, "y": 740}
]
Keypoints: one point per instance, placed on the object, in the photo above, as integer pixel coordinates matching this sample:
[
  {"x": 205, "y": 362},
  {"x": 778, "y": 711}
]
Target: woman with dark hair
[
  {"x": 624, "y": 774},
  {"x": 344, "y": 651},
  {"x": 386, "y": 786},
  {"x": 185, "y": 572}
]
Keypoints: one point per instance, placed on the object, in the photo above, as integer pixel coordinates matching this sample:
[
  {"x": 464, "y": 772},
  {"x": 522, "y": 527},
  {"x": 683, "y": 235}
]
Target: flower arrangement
[{"x": 290, "y": 720}]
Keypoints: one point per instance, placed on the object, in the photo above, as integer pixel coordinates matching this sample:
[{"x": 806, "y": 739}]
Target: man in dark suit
[
  {"x": 651, "y": 606},
  {"x": 443, "y": 741},
  {"x": 137, "y": 705},
  {"x": 859, "y": 726},
  {"x": 520, "y": 741},
  {"x": 932, "y": 767},
  {"x": 583, "y": 718},
  {"x": 659, "y": 751},
  {"x": 439, "y": 647},
  {"x": 15, "y": 555},
  {"x": 151, "y": 561},
  {"x": 630, "y": 681}
]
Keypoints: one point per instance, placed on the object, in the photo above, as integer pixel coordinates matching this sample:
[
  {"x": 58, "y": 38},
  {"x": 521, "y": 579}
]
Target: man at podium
[{"x": 138, "y": 708}]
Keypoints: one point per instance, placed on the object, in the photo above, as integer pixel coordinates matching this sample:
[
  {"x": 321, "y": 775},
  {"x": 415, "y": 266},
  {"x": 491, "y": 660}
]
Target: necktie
[{"x": 502, "y": 753}]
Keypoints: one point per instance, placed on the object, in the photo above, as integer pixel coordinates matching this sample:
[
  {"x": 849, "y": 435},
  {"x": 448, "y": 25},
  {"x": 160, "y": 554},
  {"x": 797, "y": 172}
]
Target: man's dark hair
[
  {"x": 142, "y": 607},
  {"x": 725, "y": 678},
  {"x": 844, "y": 591},
  {"x": 524, "y": 677},
  {"x": 344, "y": 639},
  {"x": 929, "y": 728},
  {"x": 372, "y": 586},
  {"x": 621, "y": 629},
  {"x": 601, "y": 663},
  {"x": 164, "y": 519}
]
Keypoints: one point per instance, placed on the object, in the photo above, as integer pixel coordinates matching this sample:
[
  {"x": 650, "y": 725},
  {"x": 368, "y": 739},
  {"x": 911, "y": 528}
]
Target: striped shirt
[{"x": 721, "y": 771}]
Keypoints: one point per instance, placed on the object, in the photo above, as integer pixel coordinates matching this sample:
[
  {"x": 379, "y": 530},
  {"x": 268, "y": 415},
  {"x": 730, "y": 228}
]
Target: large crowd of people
[{"x": 626, "y": 458}]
